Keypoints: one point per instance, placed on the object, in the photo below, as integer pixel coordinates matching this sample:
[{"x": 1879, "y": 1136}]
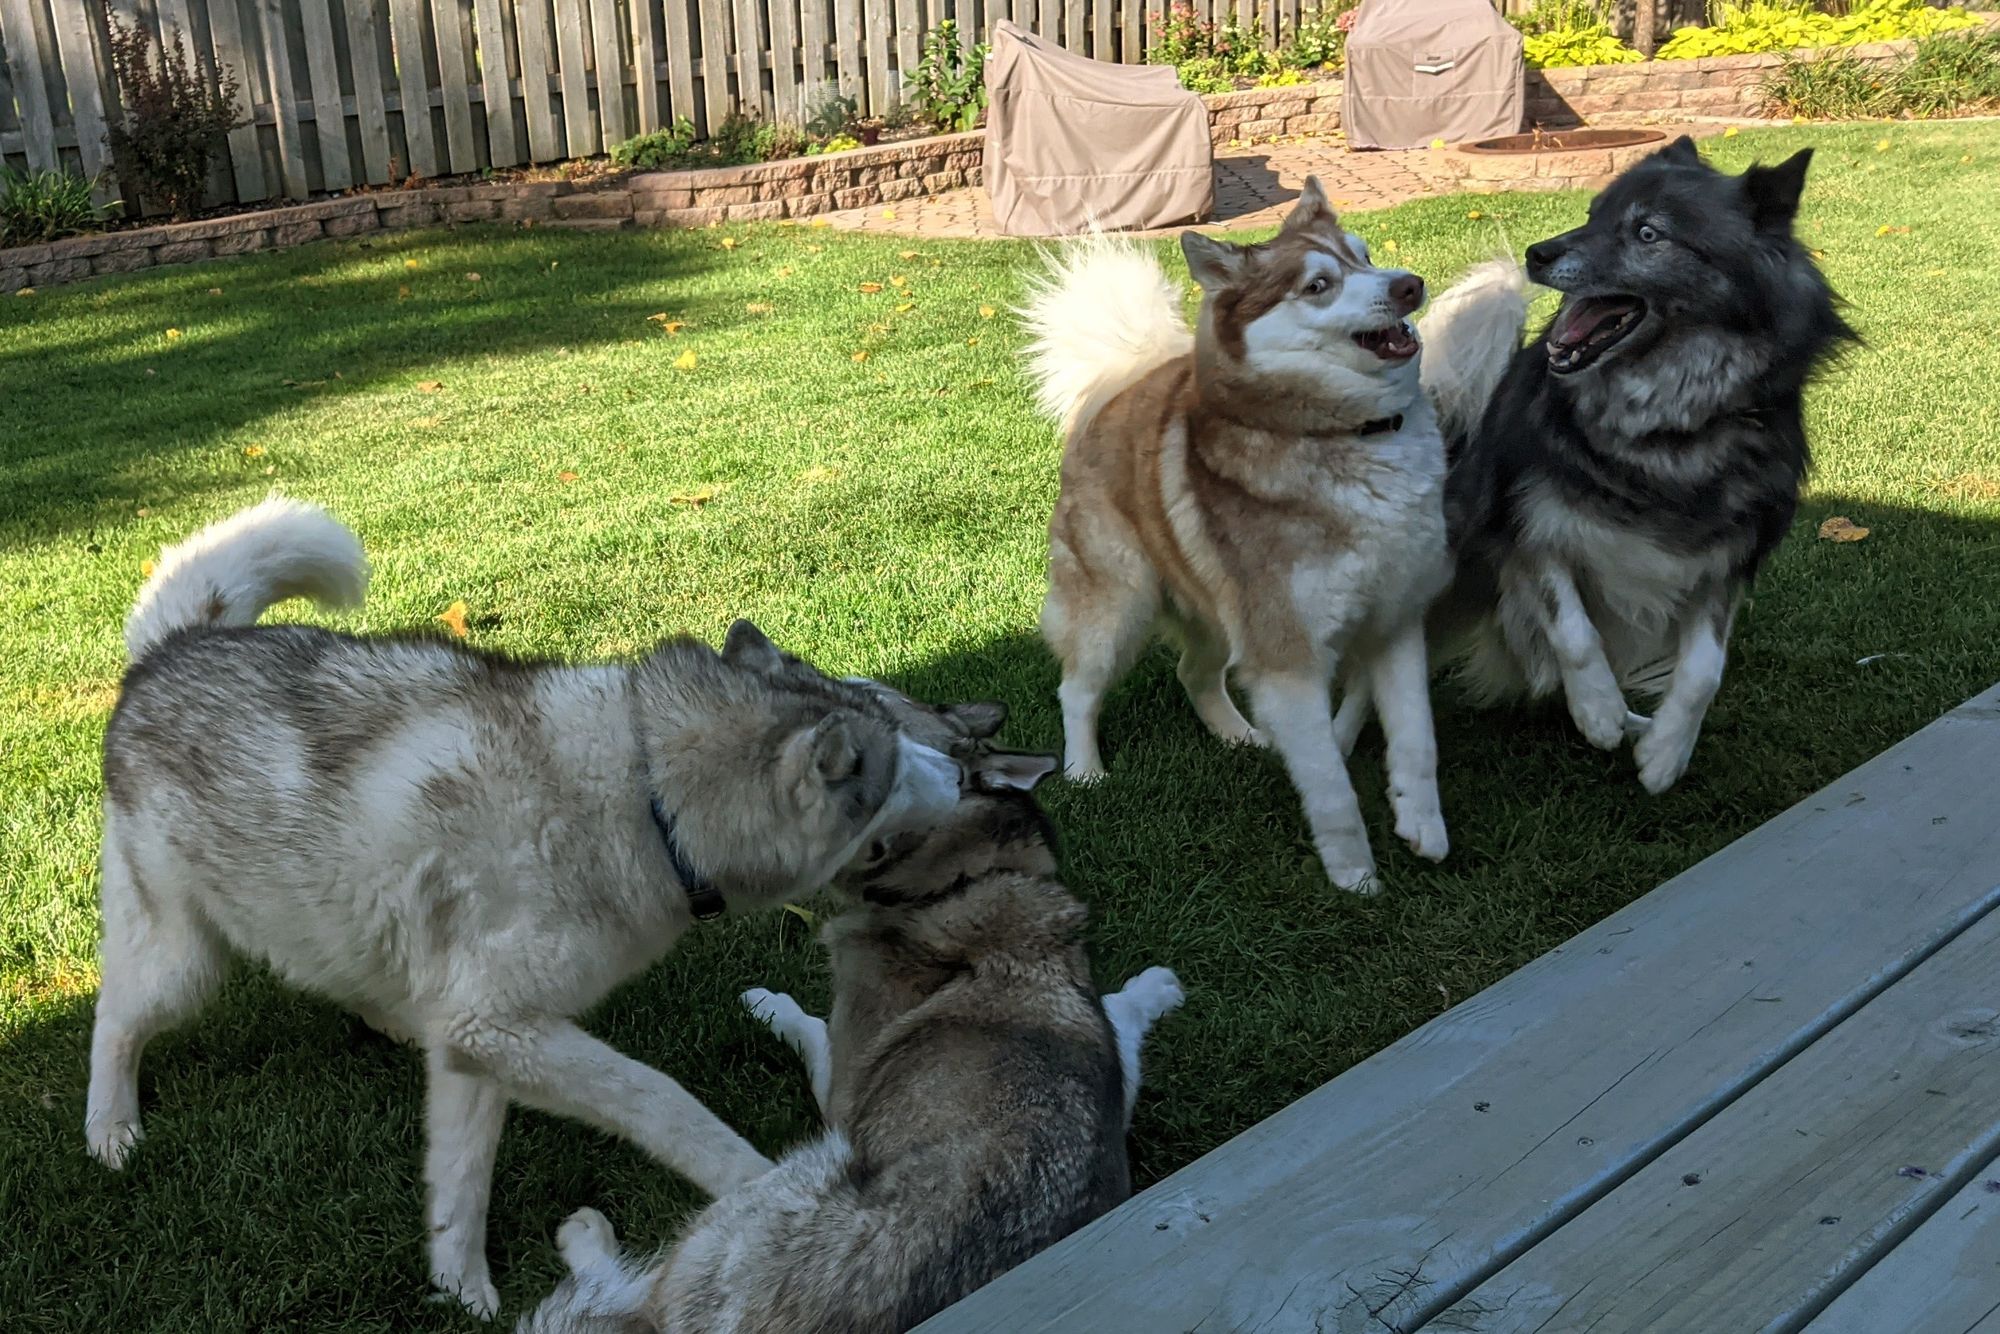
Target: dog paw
[
  {"x": 585, "y": 1240},
  {"x": 111, "y": 1142},
  {"x": 475, "y": 1293},
  {"x": 1160, "y": 989},
  {"x": 767, "y": 1007},
  {"x": 1601, "y": 718},
  {"x": 1356, "y": 875},
  {"x": 1422, "y": 827},
  {"x": 1636, "y": 725},
  {"x": 1086, "y": 772},
  {"x": 1662, "y": 756}
]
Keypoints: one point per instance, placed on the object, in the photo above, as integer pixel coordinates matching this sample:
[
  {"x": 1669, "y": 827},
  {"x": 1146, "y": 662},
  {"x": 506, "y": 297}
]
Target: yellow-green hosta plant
[
  {"x": 1760, "y": 25},
  {"x": 1562, "y": 48}
]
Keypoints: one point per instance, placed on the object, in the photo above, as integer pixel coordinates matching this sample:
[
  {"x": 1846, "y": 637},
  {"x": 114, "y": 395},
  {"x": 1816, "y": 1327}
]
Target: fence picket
[
  {"x": 86, "y": 98},
  {"x": 531, "y": 20},
  {"x": 572, "y": 39},
  {"x": 784, "y": 46},
  {"x": 38, "y": 131},
  {"x": 455, "y": 74},
  {"x": 284, "y": 98},
  {"x": 812, "y": 56},
  {"x": 323, "y": 76},
  {"x": 909, "y": 36},
  {"x": 680, "y": 59},
  {"x": 413, "y": 85},
  {"x": 501, "y": 148},
  {"x": 715, "y": 99},
  {"x": 748, "y": 47},
  {"x": 847, "y": 48},
  {"x": 370, "y": 110},
  {"x": 644, "y": 65},
  {"x": 610, "y": 66},
  {"x": 875, "y": 28}
]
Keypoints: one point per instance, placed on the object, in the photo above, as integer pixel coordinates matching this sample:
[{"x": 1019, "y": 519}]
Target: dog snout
[
  {"x": 1553, "y": 262},
  {"x": 1406, "y": 291}
]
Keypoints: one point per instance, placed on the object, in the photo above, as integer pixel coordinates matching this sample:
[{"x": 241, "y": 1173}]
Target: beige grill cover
[
  {"x": 1419, "y": 70},
  {"x": 1072, "y": 141}
]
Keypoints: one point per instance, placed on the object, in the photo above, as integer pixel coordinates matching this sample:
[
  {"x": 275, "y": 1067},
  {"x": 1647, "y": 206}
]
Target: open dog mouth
[
  {"x": 1589, "y": 327},
  {"x": 1398, "y": 342}
]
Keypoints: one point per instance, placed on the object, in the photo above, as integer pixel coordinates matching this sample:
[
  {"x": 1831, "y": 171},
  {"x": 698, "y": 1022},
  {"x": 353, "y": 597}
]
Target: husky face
[
  {"x": 1667, "y": 246},
  {"x": 1309, "y": 303}
]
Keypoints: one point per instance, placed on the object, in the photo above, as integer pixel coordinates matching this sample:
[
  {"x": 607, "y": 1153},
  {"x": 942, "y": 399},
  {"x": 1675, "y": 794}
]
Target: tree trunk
[{"x": 1643, "y": 16}]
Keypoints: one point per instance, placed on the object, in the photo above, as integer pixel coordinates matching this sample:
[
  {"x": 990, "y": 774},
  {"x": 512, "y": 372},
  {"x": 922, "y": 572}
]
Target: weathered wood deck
[{"x": 1764, "y": 1097}]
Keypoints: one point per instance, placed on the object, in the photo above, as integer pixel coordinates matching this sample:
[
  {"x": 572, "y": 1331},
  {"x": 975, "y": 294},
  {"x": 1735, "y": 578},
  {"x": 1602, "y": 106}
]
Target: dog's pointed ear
[
  {"x": 1214, "y": 264},
  {"x": 834, "y": 750},
  {"x": 980, "y": 718},
  {"x": 1682, "y": 150},
  {"x": 1311, "y": 210},
  {"x": 1012, "y": 771},
  {"x": 748, "y": 647},
  {"x": 1773, "y": 192}
]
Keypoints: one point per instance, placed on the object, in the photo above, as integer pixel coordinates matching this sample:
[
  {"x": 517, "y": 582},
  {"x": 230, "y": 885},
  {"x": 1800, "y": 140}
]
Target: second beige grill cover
[
  {"x": 1419, "y": 70},
  {"x": 1072, "y": 141}
]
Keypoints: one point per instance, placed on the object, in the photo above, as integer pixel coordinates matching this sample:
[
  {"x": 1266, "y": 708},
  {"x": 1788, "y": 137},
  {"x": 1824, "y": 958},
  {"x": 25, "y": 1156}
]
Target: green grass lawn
[{"x": 607, "y": 439}]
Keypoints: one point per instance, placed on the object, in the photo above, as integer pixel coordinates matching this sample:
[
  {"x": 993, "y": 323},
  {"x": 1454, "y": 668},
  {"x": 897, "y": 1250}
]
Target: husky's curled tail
[
  {"x": 1103, "y": 315},
  {"x": 1471, "y": 333},
  {"x": 229, "y": 572}
]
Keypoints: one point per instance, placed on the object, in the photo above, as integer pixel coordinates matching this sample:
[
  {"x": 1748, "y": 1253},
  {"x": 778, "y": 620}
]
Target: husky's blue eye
[
  {"x": 1315, "y": 287},
  {"x": 1648, "y": 233}
]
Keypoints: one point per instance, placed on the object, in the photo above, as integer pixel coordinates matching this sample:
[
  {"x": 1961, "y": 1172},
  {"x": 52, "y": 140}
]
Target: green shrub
[
  {"x": 1210, "y": 57},
  {"x": 735, "y": 142},
  {"x": 1950, "y": 74},
  {"x": 1319, "y": 42},
  {"x": 839, "y": 143},
  {"x": 173, "y": 120},
  {"x": 948, "y": 91},
  {"x": 1945, "y": 75},
  {"x": 37, "y": 206},
  {"x": 1282, "y": 78},
  {"x": 1764, "y": 25},
  {"x": 1558, "y": 34},
  {"x": 832, "y": 116}
]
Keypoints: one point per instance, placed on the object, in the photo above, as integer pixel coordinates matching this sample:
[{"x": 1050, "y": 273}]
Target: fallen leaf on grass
[
  {"x": 172, "y": 334},
  {"x": 986, "y": 312},
  {"x": 818, "y": 222},
  {"x": 972, "y": 342},
  {"x": 1882, "y": 145},
  {"x": 819, "y": 472},
  {"x": 860, "y": 356},
  {"x": 25, "y": 291},
  {"x": 253, "y": 451},
  {"x": 215, "y": 291},
  {"x": 402, "y": 291},
  {"x": 1473, "y": 215},
  {"x": 906, "y": 307},
  {"x": 728, "y": 243},
  {"x": 426, "y": 423},
  {"x": 803, "y": 914},
  {"x": 871, "y": 288},
  {"x": 785, "y": 272},
  {"x": 409, "y": 264},
  {"x": 906, "y": 254},
  {"x": 696, "y": 498},
  {"x": 1840, "y": 528},
  {"x": 899, "y": 281},
  {"x": 145, "y": 569},
  {"x": 685, "y": 361},
  {"x": 472, "y": 277},
  {"x": 1731, "y": 132},
  {"x": 889, "y": 213},
  {"x": 757, "y": 308},
  {"x": 1886, "y": 230},
  {"x": 814, "y": 249},
  {"x": 429, "y": 386},
  {"x": 566, "y": 476},
  {"x": 453, "y": 618}
]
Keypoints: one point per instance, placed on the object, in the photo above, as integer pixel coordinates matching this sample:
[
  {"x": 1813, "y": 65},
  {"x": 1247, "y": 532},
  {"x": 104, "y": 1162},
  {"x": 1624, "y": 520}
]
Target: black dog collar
[
  {"x": 704, "y": 899},
  {"x": 1380, "y": 425}
]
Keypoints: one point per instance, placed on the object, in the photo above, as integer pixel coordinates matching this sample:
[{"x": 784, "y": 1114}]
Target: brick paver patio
[{"x": 1253, "y": 188}]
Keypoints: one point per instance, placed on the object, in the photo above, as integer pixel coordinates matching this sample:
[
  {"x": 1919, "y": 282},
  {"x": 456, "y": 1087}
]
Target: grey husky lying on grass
[
  {"x": 975, "y": 1088},
  {"x": 465, "y": 849}
]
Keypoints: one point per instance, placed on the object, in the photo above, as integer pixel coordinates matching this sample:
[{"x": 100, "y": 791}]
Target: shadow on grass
[
  {"x": 280, "y": 1182},
  {"x": 328, "y": 319}
]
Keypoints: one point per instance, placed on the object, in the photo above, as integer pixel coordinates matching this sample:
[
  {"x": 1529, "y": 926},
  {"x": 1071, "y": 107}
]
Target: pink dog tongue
[{"x": 1583, "y": 318}]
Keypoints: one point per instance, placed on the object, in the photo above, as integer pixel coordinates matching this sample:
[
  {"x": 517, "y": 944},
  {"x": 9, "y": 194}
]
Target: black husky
[{"x": 1616, "y": 484}]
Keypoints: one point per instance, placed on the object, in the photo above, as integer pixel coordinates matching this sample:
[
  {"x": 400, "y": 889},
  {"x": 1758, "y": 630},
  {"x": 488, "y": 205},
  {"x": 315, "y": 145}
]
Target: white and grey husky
[
  {"x": 975, "y": 1088},
  {"x": 465, "y": 849}
]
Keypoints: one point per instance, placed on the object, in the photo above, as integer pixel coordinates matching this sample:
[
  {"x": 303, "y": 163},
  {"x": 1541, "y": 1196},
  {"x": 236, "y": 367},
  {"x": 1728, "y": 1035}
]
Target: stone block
[
  {"x": 602, "y": 205},
  {"x": 182, "y": 252},
  {"x": 242, "y": 241},
  {"x": 352, "y": 224},
  {"x": 122, "y": 261},
  {"x": 763, "y": 210},
  {"x": 472, "y": 210},
  {"x": 295, "y": 233}
]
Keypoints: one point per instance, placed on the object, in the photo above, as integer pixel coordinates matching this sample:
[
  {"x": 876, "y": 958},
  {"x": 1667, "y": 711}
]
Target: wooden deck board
[
  {"x": 1789, "y": 1194},
  {"x": 1384, "y": 1196},
  {"x": 1944, "y": 1279}
]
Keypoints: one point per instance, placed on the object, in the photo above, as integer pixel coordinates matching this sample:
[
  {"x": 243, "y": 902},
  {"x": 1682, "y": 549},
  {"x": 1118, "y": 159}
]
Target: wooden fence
[{"x": 345, "y": 92}]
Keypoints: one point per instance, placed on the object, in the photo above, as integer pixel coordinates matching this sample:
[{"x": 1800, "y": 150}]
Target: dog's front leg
[
  {"x": 1401, "y": 677},
  {"x": 1665, "y": 748},
  {"x": 1590, "y": 687},
  {"x": 802, "y": 1032},
  {"x": 553, "y": 1065},
  {"x": 1295, "y": 711},
  {"x": 464, "y": 1111}
]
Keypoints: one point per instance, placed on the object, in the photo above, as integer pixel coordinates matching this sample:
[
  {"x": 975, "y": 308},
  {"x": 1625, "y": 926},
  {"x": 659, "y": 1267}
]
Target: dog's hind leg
[
  {"x": 602, "y": 1295},
  {"x": 553, "y": 1065},
  {"x": 1296, "y": 712},
  {"x": 802, "y": 1032},
  {"x": 1401, "y": 677},
  {"x": 465, "y": 1112},
  {"x": 1663, "y": 751},
  {"x": 1202, "y": 671},
  {"x": 1355, "y": 705},
  {"x": 1096, "y": 623},
  {"x": 160, "y": 962},
  {"x": 1133, "y": 1010}
]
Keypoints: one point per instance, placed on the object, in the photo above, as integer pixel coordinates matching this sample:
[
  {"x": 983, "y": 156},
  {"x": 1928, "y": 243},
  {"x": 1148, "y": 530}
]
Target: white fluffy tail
[
  {"x": 1103, "y": 315},
  {"x": 229, "y": 572},
  {"x": 1470, "y": 335}
]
